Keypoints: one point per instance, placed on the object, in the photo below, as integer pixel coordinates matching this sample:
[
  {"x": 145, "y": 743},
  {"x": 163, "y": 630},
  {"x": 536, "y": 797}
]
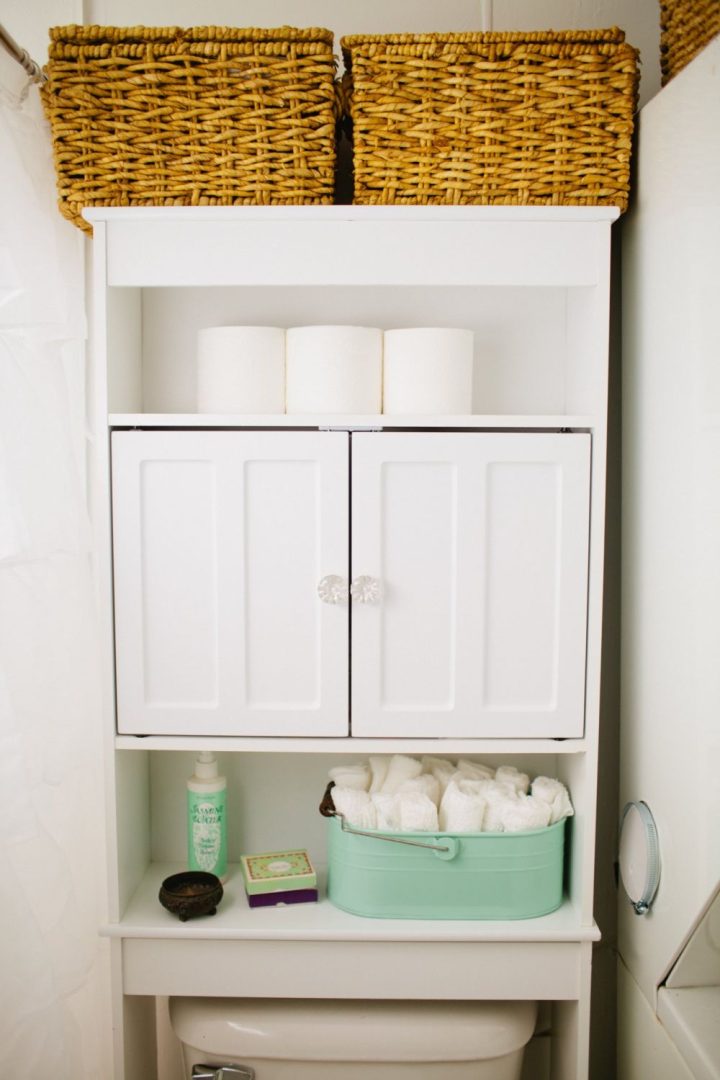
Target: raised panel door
[
  {"x": 220, "y": 540},
  {"x": 478, "y": 545}
]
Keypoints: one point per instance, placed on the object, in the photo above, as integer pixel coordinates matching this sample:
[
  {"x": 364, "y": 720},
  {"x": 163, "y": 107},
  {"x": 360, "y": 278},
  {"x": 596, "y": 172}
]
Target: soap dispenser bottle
[{"x": 207, "y": 829}]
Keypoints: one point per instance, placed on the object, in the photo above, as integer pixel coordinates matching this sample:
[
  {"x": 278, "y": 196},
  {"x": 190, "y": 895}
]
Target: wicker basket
[
  {"x": 509, "y": 118},
  {"x": 686, "y": 27},
  {"x": 209, "y": 115}
]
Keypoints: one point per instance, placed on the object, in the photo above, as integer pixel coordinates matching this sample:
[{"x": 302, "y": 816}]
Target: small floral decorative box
[
  {"x": 280, "y": 899},
  {"x": 277, "y": 871}
]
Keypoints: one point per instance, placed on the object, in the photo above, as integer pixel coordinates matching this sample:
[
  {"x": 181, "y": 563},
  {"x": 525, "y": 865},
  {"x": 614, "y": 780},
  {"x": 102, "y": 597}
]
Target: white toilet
[{"x": 258, "y": 1039}]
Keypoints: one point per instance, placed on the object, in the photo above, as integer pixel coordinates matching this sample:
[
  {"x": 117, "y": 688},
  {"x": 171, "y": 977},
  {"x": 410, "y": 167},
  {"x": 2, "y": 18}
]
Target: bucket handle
[{"x": 446, "y": 850}]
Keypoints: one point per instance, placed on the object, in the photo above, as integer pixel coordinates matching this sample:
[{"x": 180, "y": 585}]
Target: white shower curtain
[{"x": 54, "y": 1019}]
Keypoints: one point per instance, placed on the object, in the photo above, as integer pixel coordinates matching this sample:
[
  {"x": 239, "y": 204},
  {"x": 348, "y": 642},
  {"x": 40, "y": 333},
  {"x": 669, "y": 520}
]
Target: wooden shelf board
[{"x": 322, "y": 921}]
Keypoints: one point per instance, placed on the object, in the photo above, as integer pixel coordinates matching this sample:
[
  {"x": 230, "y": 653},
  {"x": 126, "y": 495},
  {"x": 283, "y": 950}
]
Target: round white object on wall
[{"x": 639, "y": 856}]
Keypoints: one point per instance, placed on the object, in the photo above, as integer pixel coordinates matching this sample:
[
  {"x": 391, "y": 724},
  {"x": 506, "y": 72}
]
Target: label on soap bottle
[{"x": 207, "y": 836}]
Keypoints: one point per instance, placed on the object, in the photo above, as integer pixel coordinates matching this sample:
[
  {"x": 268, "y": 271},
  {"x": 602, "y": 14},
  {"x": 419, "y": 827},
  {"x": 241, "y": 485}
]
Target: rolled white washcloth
[
  {"x": 508, "y": 774},
  {"x": 442, "y": 769},
  {"x": 555, "y": 795},
  {"x": 475, "y": 770},
  {"x": 463, "y": 806},
  {"x": 498, "y": 796},
  {"x": 417, "y": 812},
  {"x": 426, "y": 784},
  {"x": 378, "y": 770},
  {"x": 400, "y": 769},
  {"x": 355, "y": 806},
  {"x": 526, "y": 812},
  {"x": 387, "y": 809},
  {"x": 351, "y": 776}
]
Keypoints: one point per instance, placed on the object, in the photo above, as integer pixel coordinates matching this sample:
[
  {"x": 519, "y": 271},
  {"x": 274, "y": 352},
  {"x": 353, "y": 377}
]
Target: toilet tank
[{"x": 355, "y": 1040}]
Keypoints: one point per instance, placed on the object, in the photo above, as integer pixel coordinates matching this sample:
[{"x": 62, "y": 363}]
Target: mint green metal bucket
[{"x": 459, "y": 876}]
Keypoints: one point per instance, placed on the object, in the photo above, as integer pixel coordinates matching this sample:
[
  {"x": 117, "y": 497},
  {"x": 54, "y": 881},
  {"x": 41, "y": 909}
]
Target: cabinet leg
[
  {"x": 571, "y": 1030},
  {"x": 139, "y": 1038}
]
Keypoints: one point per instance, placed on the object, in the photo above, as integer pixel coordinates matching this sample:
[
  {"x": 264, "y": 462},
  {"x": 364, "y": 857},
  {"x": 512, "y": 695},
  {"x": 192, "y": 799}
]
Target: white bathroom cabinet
[
  {"x": 298, "y": 591},
  {"x": 466, "y": 590}
]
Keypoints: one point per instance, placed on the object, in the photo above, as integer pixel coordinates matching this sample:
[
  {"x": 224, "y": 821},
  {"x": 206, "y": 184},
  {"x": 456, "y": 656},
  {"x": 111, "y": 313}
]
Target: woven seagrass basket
[
  {"x": 209, "y": 115},
  {"x": 686, "y": 27},
  {"x": 511, "y": 118}
]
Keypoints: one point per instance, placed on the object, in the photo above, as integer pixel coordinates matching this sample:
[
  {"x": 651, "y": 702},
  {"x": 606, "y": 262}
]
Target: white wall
[
  {"x": 644, "y": 1048},
  {"x": 83, "y": 1000},
  {"x": 28, "y": 23},
  {"x": 670, "y": 750}
]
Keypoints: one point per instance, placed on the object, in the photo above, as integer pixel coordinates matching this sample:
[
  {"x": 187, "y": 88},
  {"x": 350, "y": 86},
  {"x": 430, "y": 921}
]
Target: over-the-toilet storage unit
[{"x": 212, "y": 535}]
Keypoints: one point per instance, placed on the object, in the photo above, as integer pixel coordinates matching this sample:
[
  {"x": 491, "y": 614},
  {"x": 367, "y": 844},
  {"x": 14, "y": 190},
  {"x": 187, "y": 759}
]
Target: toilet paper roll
[
  {"x": 334, "y": 369},
  {"x": 241, "y": 369},
  {"x": 428, "y": 370}
]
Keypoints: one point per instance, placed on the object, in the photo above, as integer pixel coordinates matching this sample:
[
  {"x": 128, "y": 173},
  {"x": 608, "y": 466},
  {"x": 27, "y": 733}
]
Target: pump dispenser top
[{"x": 206, "y": 766}]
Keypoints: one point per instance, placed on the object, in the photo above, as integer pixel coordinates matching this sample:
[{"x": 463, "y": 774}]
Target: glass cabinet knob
[
  {"x": 333, "y": 589},
  {"x": 365, "y": 589}
]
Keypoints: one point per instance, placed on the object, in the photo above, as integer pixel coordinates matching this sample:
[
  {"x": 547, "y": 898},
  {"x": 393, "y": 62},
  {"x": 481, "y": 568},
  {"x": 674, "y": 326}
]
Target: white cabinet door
[
  {"x": 479, "y": 543},
  {"x": 220, "y": 540}
]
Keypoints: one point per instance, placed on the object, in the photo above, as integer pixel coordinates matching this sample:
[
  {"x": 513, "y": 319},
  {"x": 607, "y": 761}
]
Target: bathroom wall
[
  {"x": 56, "y": 985},
  {"x": 640, "y": 19},
  {"x": 28, "y": 23}
]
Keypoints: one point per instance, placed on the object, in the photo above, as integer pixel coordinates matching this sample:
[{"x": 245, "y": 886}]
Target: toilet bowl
[{"x": 352, "y": 1040}]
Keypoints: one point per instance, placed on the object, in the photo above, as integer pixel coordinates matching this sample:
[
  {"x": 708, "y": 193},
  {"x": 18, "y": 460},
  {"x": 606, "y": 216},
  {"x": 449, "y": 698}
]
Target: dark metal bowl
[{"x": 191, "y": 893}]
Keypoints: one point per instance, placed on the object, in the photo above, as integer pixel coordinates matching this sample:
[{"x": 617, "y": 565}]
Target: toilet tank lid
[{"x": 363, "y": 1031}]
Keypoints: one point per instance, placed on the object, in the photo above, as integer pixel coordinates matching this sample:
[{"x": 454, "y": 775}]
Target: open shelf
[
  {"x": 382, "y": 422},
  {"x": 310, "y": 745},
  {"x": 317, "y": 951},
  {"x": 145, "y": 917},
  {"x": 530, "y": 282}
]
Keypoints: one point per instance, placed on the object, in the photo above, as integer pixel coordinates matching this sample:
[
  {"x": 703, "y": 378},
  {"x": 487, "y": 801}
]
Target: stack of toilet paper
[
  {"x": 403, "y": 794},
  {"x": 334, "y": 369}
]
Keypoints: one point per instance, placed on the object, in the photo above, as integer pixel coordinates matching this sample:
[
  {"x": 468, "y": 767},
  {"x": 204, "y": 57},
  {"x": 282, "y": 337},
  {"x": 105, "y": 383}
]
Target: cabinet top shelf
[
  {"x": 332, "y": 246},
  {"x": 242, "y": 214}
]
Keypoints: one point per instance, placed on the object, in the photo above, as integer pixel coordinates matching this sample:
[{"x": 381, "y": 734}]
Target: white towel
[
  {"x": 555, "y": 795},
  {"x": 426, "y": 784},
  {"x": 387, "y": 810},
  {"x": 499, "y": 796},
  {"x": 417, "y": 812},
  {"x": 463, "y": 807},
  {"x": 378, "y": 770},
  {"x": 442, "y": 769},
  {"x": 510, "y": 775},
  {"x": 400, "y": 769},
  {"x": 351, "y": 776},
  {"x": 525, "y": 812},
  {"x": 355, "y": 806},
  {"x": 475, "y": 770}
]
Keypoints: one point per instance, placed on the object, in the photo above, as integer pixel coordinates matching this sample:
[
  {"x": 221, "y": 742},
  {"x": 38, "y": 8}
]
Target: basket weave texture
[
  {"x": 208, "y": 115},
  {"x": 540, "y": 118},
  {"x": 686, "y": 27}
]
